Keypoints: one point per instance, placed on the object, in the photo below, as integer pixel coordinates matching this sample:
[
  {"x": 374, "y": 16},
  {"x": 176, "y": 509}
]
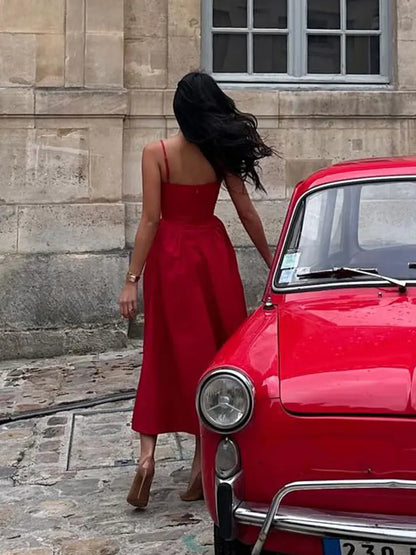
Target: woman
[{"x": 193, "y": 295}]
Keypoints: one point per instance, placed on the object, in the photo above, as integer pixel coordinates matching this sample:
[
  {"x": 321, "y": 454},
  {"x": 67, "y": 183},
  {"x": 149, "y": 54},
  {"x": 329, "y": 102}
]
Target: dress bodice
[{"x": 190, "y": 204}]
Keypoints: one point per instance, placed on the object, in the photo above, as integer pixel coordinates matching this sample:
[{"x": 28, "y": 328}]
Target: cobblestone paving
[
  {"x": 33, "y": 385},
  {"x": 64, "y": 477}
]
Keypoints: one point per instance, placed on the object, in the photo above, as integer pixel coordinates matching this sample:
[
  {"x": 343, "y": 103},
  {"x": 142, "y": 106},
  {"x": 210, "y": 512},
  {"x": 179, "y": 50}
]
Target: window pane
[
  {"x": 230, "y": 13},
  {"x": 385, "y": 228},
  {"x": 324, "y": 14},
  {"x": 230, "y": 53},
  {"x": 363, "y": 55},
  {"x": 271, "y": 14},
  {"x": 387, "y": 219},
  {"x": 270, "y": 53},
  {"x": 363, "y": 14},
  {"x": 324, "y": 54}
]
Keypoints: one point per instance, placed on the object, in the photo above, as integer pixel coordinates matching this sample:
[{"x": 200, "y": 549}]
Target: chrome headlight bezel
[{"x": 248, "y": 387}]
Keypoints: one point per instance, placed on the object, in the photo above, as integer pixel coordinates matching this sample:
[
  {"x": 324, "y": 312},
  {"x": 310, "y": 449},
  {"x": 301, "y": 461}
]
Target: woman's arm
[
  {"x": 147, "y": 228},
  {"x": 249, "y": 216}
]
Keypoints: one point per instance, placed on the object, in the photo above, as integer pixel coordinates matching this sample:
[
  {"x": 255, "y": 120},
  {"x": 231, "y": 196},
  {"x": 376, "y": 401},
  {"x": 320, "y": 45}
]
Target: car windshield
[{"x": 362, "y": 226}]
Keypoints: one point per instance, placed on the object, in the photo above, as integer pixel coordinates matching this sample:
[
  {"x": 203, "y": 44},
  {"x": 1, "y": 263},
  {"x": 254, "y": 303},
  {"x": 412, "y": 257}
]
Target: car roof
[{"x": 360, "y": 169}]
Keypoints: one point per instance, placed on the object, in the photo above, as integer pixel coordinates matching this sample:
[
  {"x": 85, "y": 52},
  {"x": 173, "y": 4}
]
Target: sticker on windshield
[
  {"x": 291, "y": 261},
  {"x": 286, "y": 276},
  {"x": 302, "y": 270}
]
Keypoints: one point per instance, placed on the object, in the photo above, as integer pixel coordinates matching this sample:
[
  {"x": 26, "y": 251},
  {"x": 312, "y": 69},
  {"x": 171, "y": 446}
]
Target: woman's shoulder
[
  {"x": 156, "y": 147},
  {"x": 152, "y": 147}
]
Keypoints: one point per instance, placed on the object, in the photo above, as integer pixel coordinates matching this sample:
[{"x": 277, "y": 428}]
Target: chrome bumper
[{"x": 314, "y": 522}]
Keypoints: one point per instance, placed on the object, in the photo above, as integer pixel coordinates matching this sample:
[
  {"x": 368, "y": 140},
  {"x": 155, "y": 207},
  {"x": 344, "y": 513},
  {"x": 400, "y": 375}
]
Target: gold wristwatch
[{"x": 132, "y": 278}]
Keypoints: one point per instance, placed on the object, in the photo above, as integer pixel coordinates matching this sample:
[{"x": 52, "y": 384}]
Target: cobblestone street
[{"x": 64, "y": 476}]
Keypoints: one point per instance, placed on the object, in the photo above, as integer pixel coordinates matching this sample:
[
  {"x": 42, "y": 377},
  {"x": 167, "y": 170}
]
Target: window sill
[{"x": 248, "y": 85}]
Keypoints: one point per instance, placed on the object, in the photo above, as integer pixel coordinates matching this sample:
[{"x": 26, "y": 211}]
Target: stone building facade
[{"x": 84, "y": 85}]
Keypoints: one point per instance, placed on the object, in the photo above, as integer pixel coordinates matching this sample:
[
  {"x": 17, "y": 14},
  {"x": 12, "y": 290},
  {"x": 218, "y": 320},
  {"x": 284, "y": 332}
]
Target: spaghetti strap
[{"x": 166, "y": 161}]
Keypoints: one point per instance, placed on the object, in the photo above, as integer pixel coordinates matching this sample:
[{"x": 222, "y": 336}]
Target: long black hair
[{"x": 227, "y": 137}]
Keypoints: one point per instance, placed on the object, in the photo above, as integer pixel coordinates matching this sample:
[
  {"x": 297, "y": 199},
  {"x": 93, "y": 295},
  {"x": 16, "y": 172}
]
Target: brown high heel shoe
[
  {"x": 138, "y": 495},
  {"x": 194, "y": 491}
]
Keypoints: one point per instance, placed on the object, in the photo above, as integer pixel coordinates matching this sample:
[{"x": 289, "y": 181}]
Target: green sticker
[{"x": 291, "y": 261}]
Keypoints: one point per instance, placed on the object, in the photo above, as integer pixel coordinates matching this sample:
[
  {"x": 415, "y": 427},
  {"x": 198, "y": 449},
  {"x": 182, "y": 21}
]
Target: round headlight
[{"x": 225, "y": 400}]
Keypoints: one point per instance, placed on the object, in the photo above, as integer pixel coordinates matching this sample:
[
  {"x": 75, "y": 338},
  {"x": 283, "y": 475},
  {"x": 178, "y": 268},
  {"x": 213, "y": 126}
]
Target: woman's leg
[
  {"x": 194, "y": 491},
  {"x": 147, "y": 447},
  {"x": 196, "y": 463},
  {"x": 138, "y": 495}
]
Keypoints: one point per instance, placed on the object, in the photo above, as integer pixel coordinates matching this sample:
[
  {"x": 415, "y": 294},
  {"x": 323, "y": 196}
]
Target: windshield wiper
[{"x": 348, "y": 272}]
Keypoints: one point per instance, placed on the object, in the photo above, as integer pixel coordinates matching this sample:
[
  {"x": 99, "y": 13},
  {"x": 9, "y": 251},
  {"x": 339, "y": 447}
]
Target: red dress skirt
[{"x": 193, "y": 302}]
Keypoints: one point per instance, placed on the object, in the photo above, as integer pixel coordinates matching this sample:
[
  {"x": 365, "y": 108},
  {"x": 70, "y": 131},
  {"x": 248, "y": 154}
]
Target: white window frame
[{"x": 297, "y": 46}]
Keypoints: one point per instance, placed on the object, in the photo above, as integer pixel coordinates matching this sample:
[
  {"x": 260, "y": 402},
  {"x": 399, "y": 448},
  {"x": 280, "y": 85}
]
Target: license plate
[{"x": 352, "y": 547}]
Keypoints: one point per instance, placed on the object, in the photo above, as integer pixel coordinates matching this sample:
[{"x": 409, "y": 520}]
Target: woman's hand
[{"x": 128, "y": 301}]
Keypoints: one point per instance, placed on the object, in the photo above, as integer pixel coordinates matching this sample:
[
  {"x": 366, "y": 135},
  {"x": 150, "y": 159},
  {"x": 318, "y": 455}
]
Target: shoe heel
[
  {"x": 194, "y": 491},
  {"x": 139, "y": 493}
]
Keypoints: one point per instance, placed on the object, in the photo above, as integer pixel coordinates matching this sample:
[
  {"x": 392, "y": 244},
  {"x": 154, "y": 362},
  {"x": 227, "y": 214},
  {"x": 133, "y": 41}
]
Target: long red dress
[{"x": 193, "y": 302}]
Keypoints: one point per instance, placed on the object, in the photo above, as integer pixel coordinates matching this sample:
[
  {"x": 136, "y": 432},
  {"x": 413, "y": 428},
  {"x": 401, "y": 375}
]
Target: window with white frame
[{"x": 316, "y": 41}]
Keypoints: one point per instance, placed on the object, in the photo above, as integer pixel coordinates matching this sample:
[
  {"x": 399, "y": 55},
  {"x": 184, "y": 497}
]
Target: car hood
[{"x": 348, "y": 352}]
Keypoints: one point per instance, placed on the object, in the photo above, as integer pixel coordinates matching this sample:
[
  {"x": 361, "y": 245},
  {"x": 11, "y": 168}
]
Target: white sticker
[
  {"x": 303, "y": 270},
  {"x": 291, "y": 261},
  {"x": 286, "y": 276}
]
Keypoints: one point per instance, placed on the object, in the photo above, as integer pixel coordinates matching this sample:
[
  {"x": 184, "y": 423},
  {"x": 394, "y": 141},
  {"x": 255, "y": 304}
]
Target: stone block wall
[
  {"x": 62, "y": 218},
  {"x": 84, "y": 85}
]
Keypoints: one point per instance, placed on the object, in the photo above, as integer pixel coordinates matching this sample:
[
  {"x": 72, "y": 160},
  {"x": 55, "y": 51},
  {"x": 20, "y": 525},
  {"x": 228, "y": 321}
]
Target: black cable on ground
[{"x": 73, "y": 405}]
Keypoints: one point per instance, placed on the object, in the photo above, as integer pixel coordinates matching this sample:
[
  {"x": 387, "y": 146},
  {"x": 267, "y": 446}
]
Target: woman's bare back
[{"x": 187, "y": 164}]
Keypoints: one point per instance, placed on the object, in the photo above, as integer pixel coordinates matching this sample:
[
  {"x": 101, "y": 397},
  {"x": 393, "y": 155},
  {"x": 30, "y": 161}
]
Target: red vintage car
[{"x": 308, "y": 413}]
